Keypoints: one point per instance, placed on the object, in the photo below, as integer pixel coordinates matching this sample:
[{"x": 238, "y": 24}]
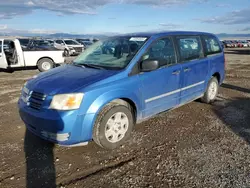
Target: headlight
[
  {"x": 66, "y": 101},
  {"x": 33, "y": 77}
]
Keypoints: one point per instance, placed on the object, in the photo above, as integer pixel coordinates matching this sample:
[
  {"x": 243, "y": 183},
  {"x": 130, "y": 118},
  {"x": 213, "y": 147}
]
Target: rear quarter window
[{"x": 212, "y": 45}]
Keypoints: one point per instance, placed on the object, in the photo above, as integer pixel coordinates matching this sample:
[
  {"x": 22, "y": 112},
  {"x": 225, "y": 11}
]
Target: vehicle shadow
[
  {"x": 9, "y": 70},
  {"x": 238, "y": 51},
  {"x": 6, "y": 70},
  {"x": 233, "y": 87},
  {"x": 40, "y": 168},
  {"x": 235, "y": 114}
]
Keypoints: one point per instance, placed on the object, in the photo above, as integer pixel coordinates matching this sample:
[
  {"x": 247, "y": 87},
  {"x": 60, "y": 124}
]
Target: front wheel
[
  {"x": 113, "y": 126},
  {"x": 66, "y": 53},
  {"x": 212, "y": 91}
]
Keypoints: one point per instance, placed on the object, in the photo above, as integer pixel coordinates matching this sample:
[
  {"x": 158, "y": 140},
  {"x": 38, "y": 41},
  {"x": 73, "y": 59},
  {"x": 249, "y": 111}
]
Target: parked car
[
  {"x": 222, "y": 43},
  {"x": 85, "y": 43},
  {"x": 234, "y": 44},
  {"x": 102, "y": 96},
  {"x": 95, "y": 40},
  {"x": 24, "y": 42},
  {"x": 70, "y": 47},
  {"x": 239, "y": 44},
  {"x": 40, "y": 45},
  {"x": 245, "y": 44},
  {"x": 51, "y": 42},
  {"x": 83, "y": 39},
  {"x": 6, "y": 44},
  {"x": 228, "y": 44},
  {"x": 17, "y": 57},
  {"x": 248, "y": 41}
]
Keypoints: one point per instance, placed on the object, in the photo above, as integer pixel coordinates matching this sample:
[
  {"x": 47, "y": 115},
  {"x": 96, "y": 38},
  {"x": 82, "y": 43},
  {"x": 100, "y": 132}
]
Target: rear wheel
[
  {"x": 45, "y": 64},
  {"x": 113, "y": 126},
  {"x": 212, "y": 91}
]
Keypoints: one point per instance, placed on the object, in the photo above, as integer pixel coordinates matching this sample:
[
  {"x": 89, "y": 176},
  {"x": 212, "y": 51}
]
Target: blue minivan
[{"x": 119, "y": 82}]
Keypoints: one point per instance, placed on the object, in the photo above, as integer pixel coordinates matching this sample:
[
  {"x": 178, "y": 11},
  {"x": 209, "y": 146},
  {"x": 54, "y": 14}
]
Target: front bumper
[
  {"x": 72, "y": 51},
  {"x": 60, "y": 127}
]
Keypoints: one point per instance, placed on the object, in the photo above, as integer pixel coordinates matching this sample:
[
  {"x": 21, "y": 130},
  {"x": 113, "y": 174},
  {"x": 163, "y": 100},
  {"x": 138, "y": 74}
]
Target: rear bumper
[{"x": 60, "y": 127}]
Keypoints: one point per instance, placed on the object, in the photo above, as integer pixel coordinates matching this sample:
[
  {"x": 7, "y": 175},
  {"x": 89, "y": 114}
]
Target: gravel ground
[{"x": 196, "y": 145}]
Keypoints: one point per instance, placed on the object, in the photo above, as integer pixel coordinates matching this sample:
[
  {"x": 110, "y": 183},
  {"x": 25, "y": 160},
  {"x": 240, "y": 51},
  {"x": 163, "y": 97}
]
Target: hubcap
[
  {"x": 46, "y": 66},
  {"x": 212, "y": 90},
  {"x": 116, "y": 127}
]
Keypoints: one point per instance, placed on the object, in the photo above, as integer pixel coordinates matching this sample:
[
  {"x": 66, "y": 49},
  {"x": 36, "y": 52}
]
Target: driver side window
[{"x": 163, "y": 51}]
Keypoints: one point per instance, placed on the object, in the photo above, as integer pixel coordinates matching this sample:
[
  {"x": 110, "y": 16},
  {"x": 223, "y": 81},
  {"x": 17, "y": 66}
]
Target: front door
[
  {"x": 59, "y": 44},
  {"x": 161, "y": 88},
  {"x": 3, "y": 62},
  {"x": 194, "y": 67}
]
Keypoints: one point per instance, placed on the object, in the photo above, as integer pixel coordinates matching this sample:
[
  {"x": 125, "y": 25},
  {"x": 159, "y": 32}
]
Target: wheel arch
[
  {"x": 127, "y": 102},
  {"x": 123, "y": 100},
  {"x": 218, "y": 76},
  {"x": 118, "y": 96}
]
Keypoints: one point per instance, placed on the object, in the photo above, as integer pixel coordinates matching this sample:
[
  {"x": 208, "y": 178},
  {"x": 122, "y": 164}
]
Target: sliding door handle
[
  {"x": 176, "y": 72},
  {"x": 187, "y": 69}
]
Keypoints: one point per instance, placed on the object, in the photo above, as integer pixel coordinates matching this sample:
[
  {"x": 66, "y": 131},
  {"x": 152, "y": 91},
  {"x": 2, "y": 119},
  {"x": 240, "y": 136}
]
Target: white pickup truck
[{"x": 17, "y": 56}]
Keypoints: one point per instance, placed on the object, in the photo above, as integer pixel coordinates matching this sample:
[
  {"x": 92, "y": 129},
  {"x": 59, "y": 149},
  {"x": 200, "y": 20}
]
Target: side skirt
[
  {"x": 140, "y": 121},
  {"x": 75, "y": 145}
]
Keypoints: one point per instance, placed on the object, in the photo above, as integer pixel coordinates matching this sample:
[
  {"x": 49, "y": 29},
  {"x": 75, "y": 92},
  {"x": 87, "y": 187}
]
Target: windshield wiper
[{"x": 88, "y": 65}]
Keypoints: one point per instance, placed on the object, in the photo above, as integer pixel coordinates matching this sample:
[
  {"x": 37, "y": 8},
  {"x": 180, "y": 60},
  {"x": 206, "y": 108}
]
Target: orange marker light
[{"x": 71, "y": 101}]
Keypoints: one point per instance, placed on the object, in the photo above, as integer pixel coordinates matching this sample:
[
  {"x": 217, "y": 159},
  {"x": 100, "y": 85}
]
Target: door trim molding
[{"x": 173, "y": 92}]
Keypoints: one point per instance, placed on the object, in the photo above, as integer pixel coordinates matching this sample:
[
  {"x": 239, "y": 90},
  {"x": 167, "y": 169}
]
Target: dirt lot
[{"x": 197, "y": 145}]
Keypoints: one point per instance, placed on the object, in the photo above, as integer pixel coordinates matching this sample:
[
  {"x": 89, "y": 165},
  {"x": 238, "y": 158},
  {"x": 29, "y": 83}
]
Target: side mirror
[{"x": 149, "y": 65}]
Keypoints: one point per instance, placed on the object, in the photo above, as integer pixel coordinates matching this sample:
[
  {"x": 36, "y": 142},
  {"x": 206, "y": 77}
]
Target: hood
[{"x": 67, "y": 79}]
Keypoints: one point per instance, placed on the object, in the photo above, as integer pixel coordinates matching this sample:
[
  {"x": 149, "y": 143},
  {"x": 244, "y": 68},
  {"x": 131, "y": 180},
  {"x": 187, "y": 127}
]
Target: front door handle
[
  {"x": 187, "y": 69},
  {"x": 176, "y": 72}
]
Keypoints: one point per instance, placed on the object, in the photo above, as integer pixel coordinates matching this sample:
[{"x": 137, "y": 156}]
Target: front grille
[
  {"x": 36, "y": 100},
  {"x": 78, "y": 49}
]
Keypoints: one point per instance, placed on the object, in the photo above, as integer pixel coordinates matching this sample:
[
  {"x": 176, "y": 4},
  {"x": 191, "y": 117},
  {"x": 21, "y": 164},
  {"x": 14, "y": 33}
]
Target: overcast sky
[{"x": 122, "y": 16}]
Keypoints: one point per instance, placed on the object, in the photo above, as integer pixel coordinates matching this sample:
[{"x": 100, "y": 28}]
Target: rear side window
[
  {"x": 6, "y": 42},
  {"x": 189, "y": 47},
  {"x": 163, "y": 51},
  {"x": 1, "y": 46},
  {"x": 24, "y": 42},
  {"x": 212, "y": 45}
]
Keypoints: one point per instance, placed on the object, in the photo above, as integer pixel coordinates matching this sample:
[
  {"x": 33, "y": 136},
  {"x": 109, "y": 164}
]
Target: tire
[
  {"x": 211, "y": 91},
  {"x": 45, "y": 64},
  {"x": 66, "y": 53},
  {"x": 112, "y": 135}
]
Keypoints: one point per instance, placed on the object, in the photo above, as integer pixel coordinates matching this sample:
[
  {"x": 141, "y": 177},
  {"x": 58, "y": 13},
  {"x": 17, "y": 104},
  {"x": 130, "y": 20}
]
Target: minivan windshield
[{"x": 112, "y": 53}]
